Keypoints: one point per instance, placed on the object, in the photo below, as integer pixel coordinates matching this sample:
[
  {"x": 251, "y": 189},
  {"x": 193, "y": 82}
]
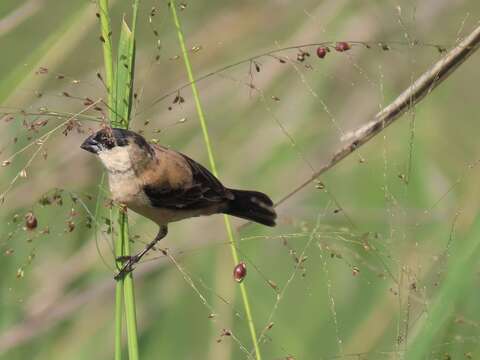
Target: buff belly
[{"x": 126, "y": 190}]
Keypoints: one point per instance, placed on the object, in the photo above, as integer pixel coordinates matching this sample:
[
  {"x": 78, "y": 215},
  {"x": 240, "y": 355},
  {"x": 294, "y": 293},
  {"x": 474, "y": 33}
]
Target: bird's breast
[{"x": 126, "y": 189}]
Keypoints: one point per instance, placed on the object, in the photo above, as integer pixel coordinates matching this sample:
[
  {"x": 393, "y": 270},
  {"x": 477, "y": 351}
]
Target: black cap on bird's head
[{"x": 109, "y": 138}]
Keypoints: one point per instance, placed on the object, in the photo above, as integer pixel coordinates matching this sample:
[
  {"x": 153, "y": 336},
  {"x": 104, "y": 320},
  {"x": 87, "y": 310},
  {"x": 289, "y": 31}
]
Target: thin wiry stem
[
  {"x": 422, "y": 87},
  {"x": 273, "y": 54},
  {"x": 203, "y": 124}
]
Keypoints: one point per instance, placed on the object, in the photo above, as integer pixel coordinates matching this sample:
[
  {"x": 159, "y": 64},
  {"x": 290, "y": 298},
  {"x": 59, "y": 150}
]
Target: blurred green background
[{"x": 358, "y": 263}]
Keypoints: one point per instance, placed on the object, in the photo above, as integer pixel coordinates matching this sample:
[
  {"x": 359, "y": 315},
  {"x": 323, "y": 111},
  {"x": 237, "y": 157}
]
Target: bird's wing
[{"x": 203, "y": 191}]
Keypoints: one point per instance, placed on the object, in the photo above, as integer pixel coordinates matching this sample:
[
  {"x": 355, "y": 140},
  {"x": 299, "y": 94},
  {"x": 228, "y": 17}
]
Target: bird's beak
[{"x": 91, "y": 145}]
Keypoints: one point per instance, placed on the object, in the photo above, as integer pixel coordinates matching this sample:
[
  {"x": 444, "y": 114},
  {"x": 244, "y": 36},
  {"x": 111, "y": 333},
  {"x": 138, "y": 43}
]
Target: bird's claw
[
  {"x": 124, "y": 258},
  {"x": 127, "y": 267}
]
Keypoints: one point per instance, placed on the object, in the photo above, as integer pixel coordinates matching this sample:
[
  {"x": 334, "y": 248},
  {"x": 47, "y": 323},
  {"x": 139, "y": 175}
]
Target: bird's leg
[{"x": 132, "y": 260}]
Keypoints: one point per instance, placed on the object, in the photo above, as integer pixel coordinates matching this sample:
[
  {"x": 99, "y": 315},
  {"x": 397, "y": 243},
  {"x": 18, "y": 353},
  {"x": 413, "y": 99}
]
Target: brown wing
[{"x": 203, "y": 191}]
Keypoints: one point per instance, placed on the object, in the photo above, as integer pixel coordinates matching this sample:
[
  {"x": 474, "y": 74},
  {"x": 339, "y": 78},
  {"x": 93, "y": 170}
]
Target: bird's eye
[
  {"x": 109, "y": 142},
  {"x": 106, "y": 140}
]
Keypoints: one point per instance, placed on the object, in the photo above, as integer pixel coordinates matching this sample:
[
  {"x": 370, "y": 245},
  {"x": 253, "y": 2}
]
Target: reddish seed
[
  {"x": 239, "y": 272},
  {"x": 321, "y": 52},
  {"x": 88, "y": 102},
  {"x": 70, "y": 226},
  {"x": 342, "y": 46},
  {"x": 31, "y": 221}
]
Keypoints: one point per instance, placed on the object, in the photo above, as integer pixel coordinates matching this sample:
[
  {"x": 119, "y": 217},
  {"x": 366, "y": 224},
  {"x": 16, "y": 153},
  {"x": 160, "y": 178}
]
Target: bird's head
[{"x": 117, "y": 148}]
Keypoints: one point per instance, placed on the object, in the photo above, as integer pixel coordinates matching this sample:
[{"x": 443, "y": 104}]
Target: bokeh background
[{"x": 357, "y": 261}]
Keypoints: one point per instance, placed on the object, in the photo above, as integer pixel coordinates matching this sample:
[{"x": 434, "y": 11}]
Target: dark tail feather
[{"x": 253, "y": 206}]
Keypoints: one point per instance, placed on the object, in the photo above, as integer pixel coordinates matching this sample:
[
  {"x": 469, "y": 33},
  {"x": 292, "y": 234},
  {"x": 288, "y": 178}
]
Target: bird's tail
[{"x": 253, "y": 206}]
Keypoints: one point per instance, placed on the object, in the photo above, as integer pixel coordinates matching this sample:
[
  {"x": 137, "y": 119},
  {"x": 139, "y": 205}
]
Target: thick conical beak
[{"x": 91, "y": 145}]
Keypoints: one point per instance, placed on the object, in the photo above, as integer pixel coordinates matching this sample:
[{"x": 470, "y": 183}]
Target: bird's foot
[
  {"x": 124, "y": 258},
  {"x": 128, "y": 261}
]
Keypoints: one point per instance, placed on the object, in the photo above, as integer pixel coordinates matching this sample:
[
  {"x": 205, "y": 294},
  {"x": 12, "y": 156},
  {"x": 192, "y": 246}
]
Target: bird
[{"x": 166, "y": 186}]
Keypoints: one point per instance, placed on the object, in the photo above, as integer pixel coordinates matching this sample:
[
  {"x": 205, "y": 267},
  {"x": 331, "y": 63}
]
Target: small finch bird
[{"x": 165, "y": 185}]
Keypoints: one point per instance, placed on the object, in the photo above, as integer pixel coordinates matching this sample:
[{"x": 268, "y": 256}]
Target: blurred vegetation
[{"x": 357, "y": 264}]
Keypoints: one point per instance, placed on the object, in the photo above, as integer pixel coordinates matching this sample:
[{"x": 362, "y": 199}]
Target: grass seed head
[{"x": 239, "y": 272}]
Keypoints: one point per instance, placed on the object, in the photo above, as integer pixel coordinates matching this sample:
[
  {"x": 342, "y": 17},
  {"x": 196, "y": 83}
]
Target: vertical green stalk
[
  {"x": 203, "y": 124},
  {"x": 118, "y": 305},
  {"x": 120, "y": 89},
  {"x": 107, "y": 51},
  {"x": 118, "y": 249},
  {"x": 128, "y": 291}
]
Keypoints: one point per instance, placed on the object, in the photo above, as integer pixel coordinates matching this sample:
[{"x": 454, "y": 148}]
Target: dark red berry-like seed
[
  {"x": 321, "y": 52},
  {"x": 239, "y": 272},
  {"x": 31, "y": 221},
  {"x": 342, "y": 46}
]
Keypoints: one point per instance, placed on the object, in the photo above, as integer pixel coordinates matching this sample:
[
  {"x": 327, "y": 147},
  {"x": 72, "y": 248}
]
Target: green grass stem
[
  {"x": 118, "y": 306},
  {"x": 203, "y": 124},
  {"x": 107, "y": 51},
  {"x": 119, "y": 87},
  {"x": 128, "y": 292}
]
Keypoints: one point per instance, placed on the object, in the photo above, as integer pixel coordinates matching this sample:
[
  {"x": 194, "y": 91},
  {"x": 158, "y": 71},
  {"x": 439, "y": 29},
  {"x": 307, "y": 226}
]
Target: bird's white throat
[{"x": 116, "y": 160}]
